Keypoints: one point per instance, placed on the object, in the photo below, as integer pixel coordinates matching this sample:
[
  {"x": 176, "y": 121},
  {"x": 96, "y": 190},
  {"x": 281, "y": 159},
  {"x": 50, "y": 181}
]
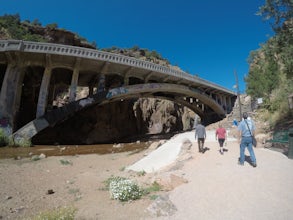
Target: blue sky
[{"x": 209, "y": 38}]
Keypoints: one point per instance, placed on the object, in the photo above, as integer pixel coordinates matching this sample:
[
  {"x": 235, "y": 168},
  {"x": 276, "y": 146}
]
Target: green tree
[
  {"x": 52, "y": 26},
  {"x": 36, "y": 22},
  {"x": 12, "y": 24},
  {"x": 271, "y": 66},
  {"x": 277, "y": 10}
]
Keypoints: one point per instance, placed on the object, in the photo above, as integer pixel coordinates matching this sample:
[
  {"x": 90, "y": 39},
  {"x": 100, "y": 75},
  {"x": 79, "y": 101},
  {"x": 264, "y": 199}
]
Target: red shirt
[{"x": 221, "y": 133}]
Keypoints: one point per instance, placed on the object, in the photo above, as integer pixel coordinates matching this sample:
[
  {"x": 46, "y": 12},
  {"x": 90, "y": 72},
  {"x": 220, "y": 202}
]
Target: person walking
[
  {"x": 246, "y": 130},
  {"x": 221, "y": 136},
  {"x": 200, "y": 134}
]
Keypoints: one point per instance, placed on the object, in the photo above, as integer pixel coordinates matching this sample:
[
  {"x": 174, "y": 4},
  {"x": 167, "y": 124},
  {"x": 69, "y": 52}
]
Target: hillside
[{"x": 270, "y": 74}]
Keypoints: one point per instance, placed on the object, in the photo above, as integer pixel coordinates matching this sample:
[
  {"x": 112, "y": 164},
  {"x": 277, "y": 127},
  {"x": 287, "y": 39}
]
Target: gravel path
[{"x": 218, "y": 188}]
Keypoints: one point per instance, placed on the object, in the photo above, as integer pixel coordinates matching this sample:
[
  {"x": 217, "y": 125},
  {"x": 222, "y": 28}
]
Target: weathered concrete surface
[
  {"x": 168, "y": 152},
  {"x": 218, "y": 188}
]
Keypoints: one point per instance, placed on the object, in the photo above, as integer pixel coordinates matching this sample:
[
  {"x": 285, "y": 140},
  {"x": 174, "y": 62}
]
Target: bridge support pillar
[
  {"x": 224, "y": 98},
  {"x": 126, "y": 81},
  {"x": 11, "y": 93},
  {"x": 101, "y": 85},
  {"x": 43, "y": 95},
  {"x": 73, "y": 86},
  {"x": 74, "y": 82},
  {"x": 229, "y": 105},
  {"x": 91, "y": 90}
]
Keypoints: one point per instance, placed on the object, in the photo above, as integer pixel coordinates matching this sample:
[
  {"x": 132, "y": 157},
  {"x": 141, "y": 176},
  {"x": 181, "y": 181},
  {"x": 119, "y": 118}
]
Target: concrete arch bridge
[{"x": 33, "y": 75}]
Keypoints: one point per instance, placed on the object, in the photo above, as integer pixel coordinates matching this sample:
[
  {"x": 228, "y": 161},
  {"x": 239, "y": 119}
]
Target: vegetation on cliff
[
  {"x": 271, "y": 66},
  {"x": 11, "y": 27}
]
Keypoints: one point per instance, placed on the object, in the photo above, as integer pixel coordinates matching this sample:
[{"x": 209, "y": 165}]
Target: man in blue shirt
[{"x": 246, "y": 130}]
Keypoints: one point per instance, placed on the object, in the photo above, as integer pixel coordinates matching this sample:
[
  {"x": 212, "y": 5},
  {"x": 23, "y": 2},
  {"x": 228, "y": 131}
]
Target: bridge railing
[{"x": 59, "y": 49}]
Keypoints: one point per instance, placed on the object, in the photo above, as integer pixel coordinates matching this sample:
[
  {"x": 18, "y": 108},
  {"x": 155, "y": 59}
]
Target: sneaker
[
  {"x": 254, "y": 165},
  {"x": 239, "y": 163}
]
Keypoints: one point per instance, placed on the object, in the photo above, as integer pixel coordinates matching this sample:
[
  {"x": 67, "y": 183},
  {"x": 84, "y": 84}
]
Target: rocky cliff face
[
  {"x": 120, "y": 121},
  {"x": 59, "y": 36}
]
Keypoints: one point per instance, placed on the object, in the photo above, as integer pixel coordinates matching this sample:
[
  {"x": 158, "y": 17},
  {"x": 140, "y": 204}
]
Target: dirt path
[{"x": 219, "y": 188}]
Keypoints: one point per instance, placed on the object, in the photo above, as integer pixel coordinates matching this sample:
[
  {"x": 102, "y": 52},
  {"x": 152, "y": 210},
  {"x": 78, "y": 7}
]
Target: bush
[
  {"x": 58, "y": 214},
  {"x": 155, "y": 187},
  {"x": 3, "y": 138},
  {"x": 123, "y": 189},
  {"x": 20, "y": 142}
]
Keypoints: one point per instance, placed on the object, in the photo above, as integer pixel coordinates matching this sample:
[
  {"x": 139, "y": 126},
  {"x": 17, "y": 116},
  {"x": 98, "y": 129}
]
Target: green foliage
[
  {"x": 112, "y": 178},
  {"x": 153, "y": 197},
  {"x": 263, "y": 73},
  {"x": 11, "y": 27},
  {"x": 155, "y": 187},
  {"x": 153, "y": 54},
  {"x": 65, "y": 162},
  {"x": 20, "y": 142},
  {"x": 277, "y": 10},
  {"x": 3, "y": 138},
  {"x": 279, "y": 97},
  {"x": 271, "y": 67},
  {"x": 36, "y": 22},
  {"x": 15, "y": 30},
  {"x": 9, "y": 20},
  {"x": 33, "y": 37},
  {"x": 52, "y": 26},
  {"x": 135, "y": 48},
  {"x": 141, "y": 173},
  {"x": 12, "y": 24},
  {"x": 270, "y": 75},
  {"x": 67, "y": 213},
  {"x": 123, "y": 189},
  {"x": 94, "y": 44}
]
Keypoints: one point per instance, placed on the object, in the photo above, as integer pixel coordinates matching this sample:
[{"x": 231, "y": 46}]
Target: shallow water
[{"x": 59, "y": 150}]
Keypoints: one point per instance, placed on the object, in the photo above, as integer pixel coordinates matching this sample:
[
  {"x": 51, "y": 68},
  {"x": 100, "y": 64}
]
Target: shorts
[{"x": 221, "y": 142}]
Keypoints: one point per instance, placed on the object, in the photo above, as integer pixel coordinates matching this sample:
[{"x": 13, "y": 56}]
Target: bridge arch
[
  {"x": 178, "y": 94},
  {"x": 174, "y": 92}
]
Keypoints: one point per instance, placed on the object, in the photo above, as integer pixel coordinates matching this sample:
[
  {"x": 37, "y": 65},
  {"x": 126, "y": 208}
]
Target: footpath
[
  {"x": 168, "y": 152},
  {"x": 218, "y": 188}
]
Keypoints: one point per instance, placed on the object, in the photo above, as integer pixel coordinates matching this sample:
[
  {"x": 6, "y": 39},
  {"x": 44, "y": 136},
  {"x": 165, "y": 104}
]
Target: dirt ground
[
  {"x": 77, "y": 181},
  {"x": 201, "y": 186}
]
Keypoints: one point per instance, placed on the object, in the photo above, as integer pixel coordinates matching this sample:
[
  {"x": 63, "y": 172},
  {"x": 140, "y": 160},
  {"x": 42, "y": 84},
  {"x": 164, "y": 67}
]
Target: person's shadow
[
  {"x": 248, "y": 160},
  {"x": 205, "y": 149}
]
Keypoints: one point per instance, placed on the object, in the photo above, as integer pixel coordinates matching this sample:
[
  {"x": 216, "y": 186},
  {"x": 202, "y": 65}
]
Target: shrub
[
  {"x": 20, "y": 142},
  {"x": 123, "y": 189},
  {"x": 3, "y": 138},
  {"x": 65, "y": 162},
  {"x": 67, "y": 213},
  {"x": 155, "y": 187},
  {"x": 141, "y": 173}
]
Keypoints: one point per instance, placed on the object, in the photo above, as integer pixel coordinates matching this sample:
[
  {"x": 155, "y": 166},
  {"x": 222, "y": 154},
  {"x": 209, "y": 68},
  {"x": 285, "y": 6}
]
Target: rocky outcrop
[
  {"x": 119, "y": 121},
  {"x": 59, "y": 36}
]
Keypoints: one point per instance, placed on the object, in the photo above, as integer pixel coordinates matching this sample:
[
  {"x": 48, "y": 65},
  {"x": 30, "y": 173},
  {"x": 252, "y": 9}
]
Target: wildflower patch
[{"x": 124, "y": 189}]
